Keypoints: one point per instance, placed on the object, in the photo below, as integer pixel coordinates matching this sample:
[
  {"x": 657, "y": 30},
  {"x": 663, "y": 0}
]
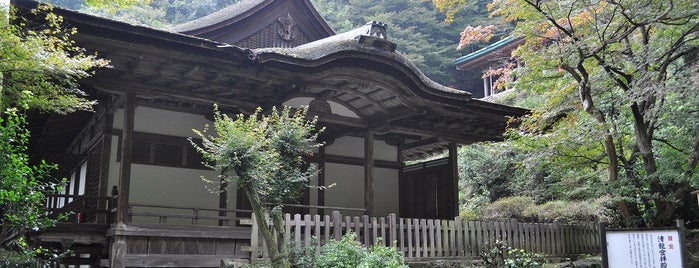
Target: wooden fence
[
  {"x": 187, "y": 214},
  {"x": 82, "y": 208},
  {"x": 427, "y": 238}
]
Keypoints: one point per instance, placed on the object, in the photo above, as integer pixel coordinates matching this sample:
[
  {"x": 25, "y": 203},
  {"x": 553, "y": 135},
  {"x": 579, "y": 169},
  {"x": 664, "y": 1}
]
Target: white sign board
[{"x": 644, "y": 249}]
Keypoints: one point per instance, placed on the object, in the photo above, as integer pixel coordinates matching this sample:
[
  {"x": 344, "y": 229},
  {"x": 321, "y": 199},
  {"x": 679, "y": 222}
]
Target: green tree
[
  {"x": 262, "y": 155},
  {"x": 39, "y": 70},
  {"x": 619, "y": 72}
]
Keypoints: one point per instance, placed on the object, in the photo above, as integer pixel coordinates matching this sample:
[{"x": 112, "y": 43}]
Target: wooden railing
[
  {"x": 82, "y": 208},
  {"x": 193, "y": 215},
  {"x": 427, "y": 238}
]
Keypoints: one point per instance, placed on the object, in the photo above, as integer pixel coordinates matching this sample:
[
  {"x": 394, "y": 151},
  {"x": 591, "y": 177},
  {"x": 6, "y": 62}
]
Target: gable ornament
[{"x": 287, "y": 24}]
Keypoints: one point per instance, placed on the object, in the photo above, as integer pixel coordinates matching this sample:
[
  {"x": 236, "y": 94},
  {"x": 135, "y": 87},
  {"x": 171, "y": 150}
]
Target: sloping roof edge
[
  {"x": 478, "y": 54},
  {"x": 240, "y": 11}
]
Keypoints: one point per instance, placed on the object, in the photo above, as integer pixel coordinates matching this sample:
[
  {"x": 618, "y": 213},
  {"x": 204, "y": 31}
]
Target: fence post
[
  {"x": 452, "y": 238},
  {"x": 401, "y": 234},
  {"x": 418, "y": 244},
  {"x": 603, "y": 243},
  {"x": 254, "y": 243},
  {"x": 374, "y": 230},
  {"x": 365, "y": 230},
  {"x": 307, "y": 230},
  {"x": 326, "y": 228},
  {"x": 382, "y": 223},
  {"x": 409, "y": 235},
  {"x": 348, "y": 226},
  {"x": 431, "y": 236},
  {"x": 558, "y": 239},
  {"x": 459, "y": 236},
  {"x": 297, "y": 229},
  {"x": 316, "y": 222},
  {"x": 392, "y": 228},
  {"x": 337, "y": 225},
  {"x": 683, "y": 241},
  {"x": 438, "y": 233}
]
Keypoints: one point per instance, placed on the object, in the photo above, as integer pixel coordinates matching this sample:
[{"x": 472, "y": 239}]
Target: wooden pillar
[
  {"x": 119, "y": 247},
  {"x": 485, "y": 87},
  {"x": 223, "y": 202},
  {"x": 454, "y": 165},
  {"x": 104, "y": 187},
  {"x": 321, "y": 179},
  {"x": 401, "y": 185},
  {"x": 126, "y": 156},
  {"x": 369, "y": 173},
  {"x": 117, "y": 254}
]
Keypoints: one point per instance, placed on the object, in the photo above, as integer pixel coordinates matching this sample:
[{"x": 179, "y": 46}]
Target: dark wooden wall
[{"x": 427, "y": 191}]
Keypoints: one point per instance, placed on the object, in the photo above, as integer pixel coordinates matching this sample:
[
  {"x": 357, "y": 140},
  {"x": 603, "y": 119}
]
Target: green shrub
[
  {"x": 567, "y": 211},
  {"x": 382, "y": 256},
  {"x": 518, "y": 258},
  {"x": 549, "y": 211},
  {"x": 348, "y": 253},
  {"x": 524, "y": 208},
  {"x": 508, "y": 208},
  {"x": 469, "y": 214},
  {"x": 301, "y": 256},
  {"x": 499, "y": 255}
]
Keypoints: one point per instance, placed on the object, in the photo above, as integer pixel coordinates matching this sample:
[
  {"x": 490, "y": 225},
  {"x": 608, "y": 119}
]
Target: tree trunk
[
  {"x": 613, "y": 173},
  {"x": 665, "y": 209},
  {"x": 613, "y": 168},
  {"x": 273, "y": 244},
  {"x": 693, "y": 158},
  {"x": 278, "y": 224}
]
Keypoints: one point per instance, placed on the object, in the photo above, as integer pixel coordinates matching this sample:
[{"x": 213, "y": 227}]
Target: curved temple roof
[{"x": 370, "y": 41}]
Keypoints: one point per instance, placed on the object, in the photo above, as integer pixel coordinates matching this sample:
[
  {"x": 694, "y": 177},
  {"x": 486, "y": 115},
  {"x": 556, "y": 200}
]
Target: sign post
[{"x": 651, "y": 247}]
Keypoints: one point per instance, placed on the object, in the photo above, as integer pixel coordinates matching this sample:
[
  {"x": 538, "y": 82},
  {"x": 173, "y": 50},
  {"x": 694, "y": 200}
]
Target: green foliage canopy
[
  {"x": 41, "y": 65},
  {"x": 262, "y": 153},
  {"x": 39, "y": 69}
]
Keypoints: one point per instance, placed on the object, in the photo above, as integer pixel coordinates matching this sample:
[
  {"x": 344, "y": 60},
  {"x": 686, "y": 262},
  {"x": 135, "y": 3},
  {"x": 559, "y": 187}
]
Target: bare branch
[{"x": 666, "y": 142}]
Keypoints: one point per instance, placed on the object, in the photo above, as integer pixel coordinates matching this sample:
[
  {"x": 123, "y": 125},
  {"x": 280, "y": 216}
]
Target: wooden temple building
[
  {"x": 477, "y": 64},
  {"x": 134, "y": 193}
]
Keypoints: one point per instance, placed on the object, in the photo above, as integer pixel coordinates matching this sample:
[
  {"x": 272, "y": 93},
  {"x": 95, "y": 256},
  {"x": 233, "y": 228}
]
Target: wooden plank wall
[
  {"x": 426, "y": 189},
  {"x": 429, "y": 238},
  {"x": 164, "y": 245}
]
